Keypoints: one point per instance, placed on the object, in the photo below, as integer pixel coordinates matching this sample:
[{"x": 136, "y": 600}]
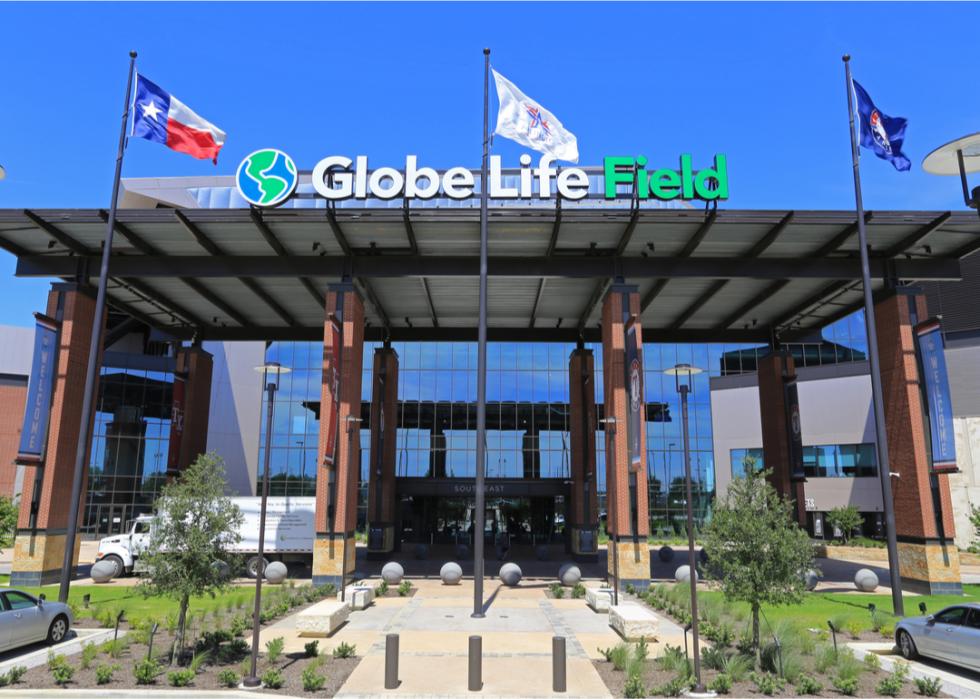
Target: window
[
  {"x": 738, "y": 461},
  {"x": 18, "y": 600},
  {"x": 141, "y": 528},
  {"x": 953, "y": 615},
  {"x": 974, "y": 620},
  {"x": 840, "y": 461}
]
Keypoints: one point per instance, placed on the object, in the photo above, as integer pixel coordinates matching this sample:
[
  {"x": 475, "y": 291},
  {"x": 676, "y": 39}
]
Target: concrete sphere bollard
[
  {"x": 462, "y": 551},
  {"x": 451, "y": 573},
  {"x": 810, "y": 580},
  {"x": 865, "y": 580},
  {"x": 392, "y": 573},
  {"x": 542, "y": 552},
  {"x": 275, "y": 572},
  {"x": 510, "y": 574},
  {"x": 665, "y": 554},
  {"x": 104, "y": 571},
  {"x": 569, "y": 575},
  {"x": 421, "y": 552},
  {"x": 683, "y": 574}
]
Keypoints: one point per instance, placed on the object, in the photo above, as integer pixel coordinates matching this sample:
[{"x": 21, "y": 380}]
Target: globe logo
[{"x": 266, "y": 177}]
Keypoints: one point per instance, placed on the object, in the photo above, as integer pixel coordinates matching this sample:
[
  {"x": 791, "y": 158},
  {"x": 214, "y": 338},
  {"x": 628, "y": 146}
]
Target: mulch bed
[{"x": 654, "y": 678}]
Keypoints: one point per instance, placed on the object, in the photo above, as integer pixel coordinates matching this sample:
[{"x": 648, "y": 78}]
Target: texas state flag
[{"x": 161, "y": 117}]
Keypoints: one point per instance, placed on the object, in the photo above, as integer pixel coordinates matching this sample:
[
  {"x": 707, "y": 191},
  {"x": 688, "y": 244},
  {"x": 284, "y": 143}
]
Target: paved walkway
[{"x": 434, "y": 626}]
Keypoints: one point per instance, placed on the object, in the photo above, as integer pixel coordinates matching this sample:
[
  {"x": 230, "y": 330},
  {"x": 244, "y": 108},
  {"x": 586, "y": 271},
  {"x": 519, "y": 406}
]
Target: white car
[{"x": 26, "y": 619}]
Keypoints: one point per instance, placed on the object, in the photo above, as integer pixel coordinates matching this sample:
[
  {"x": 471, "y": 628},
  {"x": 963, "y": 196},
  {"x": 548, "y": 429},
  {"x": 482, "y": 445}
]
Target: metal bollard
[
  {"x": 558, "y": 666},
  {"x": 391, "y": 661},
  {"x": 476, "y": 664}
]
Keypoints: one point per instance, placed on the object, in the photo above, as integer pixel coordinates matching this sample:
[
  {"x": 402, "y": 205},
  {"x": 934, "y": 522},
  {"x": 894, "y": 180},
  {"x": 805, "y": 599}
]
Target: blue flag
[{"x": 879, "y": 132}]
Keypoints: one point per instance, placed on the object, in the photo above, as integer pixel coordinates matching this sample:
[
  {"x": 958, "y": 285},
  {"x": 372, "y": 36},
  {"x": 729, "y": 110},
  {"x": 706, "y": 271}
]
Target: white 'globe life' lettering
[{"x": 337, "y": 177}]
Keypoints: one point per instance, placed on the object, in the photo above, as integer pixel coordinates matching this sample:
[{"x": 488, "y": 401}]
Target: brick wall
[
  {"x": 775, "y": 430},
  {"x": 13, "y": 394}
]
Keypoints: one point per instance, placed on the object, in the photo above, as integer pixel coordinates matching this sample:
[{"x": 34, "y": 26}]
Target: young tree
[
  {"x": 194, "y": 525},
  {"x": 846, "y": 519},
  {"x": 8, "y": 521},
  {"x": 759, "y": 553}
]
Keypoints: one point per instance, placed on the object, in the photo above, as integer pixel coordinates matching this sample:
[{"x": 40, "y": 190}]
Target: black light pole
[
  {"x": 94, "y": 354},
  {"x": 683, "y": 388},
  {"x": 270, "y": 376},
  {"x": 481, "y": 358},
  {"x": 610, "y": 431}
]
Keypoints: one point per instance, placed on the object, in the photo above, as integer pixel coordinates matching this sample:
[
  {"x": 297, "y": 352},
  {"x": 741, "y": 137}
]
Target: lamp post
[
  {"x": 270, "y": 375},
  {"x": 682, "y": 374},
  {"x": 610, "y": 432}
]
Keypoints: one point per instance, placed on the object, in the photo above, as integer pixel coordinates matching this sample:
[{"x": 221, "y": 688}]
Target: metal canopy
[{"x": 725, "y": 275}]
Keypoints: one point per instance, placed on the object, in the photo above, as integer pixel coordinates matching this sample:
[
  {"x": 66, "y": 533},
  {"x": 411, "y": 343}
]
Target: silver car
[
  {"x": 25, "y": 619},
  {"x": 952, "y": 635}
]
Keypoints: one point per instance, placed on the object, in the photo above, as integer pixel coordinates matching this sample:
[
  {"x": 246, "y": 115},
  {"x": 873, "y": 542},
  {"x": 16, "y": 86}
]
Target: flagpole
[
  {"x": 884, "y": 464},
  {"x": 481, "y": 361},
  {"x": 94, "y": 353}
]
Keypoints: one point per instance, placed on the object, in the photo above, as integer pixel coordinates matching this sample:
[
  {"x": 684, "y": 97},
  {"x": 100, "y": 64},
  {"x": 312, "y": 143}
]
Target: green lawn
[
  {"x": 135, "y": 605},
  {"x": 821, "y": 606}
]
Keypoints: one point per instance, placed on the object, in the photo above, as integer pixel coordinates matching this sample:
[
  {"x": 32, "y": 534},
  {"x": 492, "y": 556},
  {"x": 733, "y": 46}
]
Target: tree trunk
[
  {"x": 181, "y": 621},
  {"x": 755, "y": 626}
]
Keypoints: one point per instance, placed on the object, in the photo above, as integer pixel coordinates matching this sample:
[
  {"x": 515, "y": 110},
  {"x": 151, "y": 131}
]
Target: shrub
[
  {"x": 722, "y": 684},
  {"x": 630, "y": 589},
  {"x": 345, "y": 650},
  {"x": 556, "y": 590},
  {"x": 311, "y": 649},
  {"x": 180, "y": 678},
  {"x": 877, "y": 621},
  {"x": 313, "y": 681},
  {"x": 928, "y": 686},
  {"x": 404, "y": 588},
  {"x": 621, "y": 656},
  {"x": 712, "y": 658},
  {"x": 676, "y": 687},
  {"x": 62, "y": 674},
  {"x": 846, "y": 520},
  {"x": 846, "y": 685},
  {"x": 901, "y": 670},
  {"x": 825, "y": 660},
  {"x": 854, "y": 628},
  {"x": 383, "y": 588},
  {"x": 890, "y": 686},
  {"x": 104, "y": 673},
  {"x": 272, "y": 678},
  {"x": 146, "y": 671},
  {"x": 240, "y": 624},
  {"x": 634, "y": 688},
  {"x": 807, "y": 685},
  {"x": 767, "y": 683},
  {"x": 872, "y": 662},
  {"x": 641, "y": 650},
  {"x": 15, "y": 673},
  {"x": 606, "y": 653},
  {"x": 114, "y": 648},
  {"x": 273, "y": 648},
  {"x": 90, "y": 652},
  {"x": 228, "y": 678},
  {"x": 213, "y": 639},
  {"x": 578, "y": 592},
  {"x": 198, "y": 660},
  {"x": 56, "y": 660}
]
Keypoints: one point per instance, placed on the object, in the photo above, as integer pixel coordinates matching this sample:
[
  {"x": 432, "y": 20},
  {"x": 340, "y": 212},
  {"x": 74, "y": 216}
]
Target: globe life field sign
[{"x": 268, "y": 177}]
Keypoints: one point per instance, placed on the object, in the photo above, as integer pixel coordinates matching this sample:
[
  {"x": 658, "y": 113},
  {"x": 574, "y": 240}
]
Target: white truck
[{"x": 289, "y": 535}]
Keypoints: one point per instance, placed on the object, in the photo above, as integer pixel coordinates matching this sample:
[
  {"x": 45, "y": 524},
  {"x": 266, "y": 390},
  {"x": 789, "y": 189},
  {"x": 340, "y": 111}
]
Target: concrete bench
[
  {"x": 358, "y": 596},
  {"x": 599, "y": 598},
  {"x": 323, "y": 618},
  {"x": 633, "y": 622}
]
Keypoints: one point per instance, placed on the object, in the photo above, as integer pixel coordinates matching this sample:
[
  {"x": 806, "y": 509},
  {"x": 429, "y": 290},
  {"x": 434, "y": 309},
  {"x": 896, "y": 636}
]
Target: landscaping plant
[
  {"x": 557, "y": 591},
  {"x": 846, "y": 520},
  {"x": 578, "y": 592},
  {"x": 313, "y": 681},
  {"x": 180, "y": 678},
  {"x": 928, "y": 686},
  {"x": 634, "y": 687},
  {"x": 272, "y": 678},
  {"x": 722, "y": 684},
  {"x": 807, "y": 685},
  {"x": 274, "y": 648},
  {"x": 228, "y": 678},
  {"x": 104, "y": 672},
  {"x": 755, "y": 546},
  {"x": 195, "y": 525},
  {"x": 62, "y": 674},
  {"x": 890, "y": 686},
  {"x": 345, "y": 650},
  {"x": 311, "y": 649},
  {"x": 146, "y": 671}
]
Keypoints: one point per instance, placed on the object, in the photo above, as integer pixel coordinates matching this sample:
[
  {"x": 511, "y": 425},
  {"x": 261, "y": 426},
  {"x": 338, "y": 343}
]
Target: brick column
[
  {"x": 774, "y": 372},
  {"x": 928, "y": 559},
  {"x": 381, "y": 481},
  {"x": 336, "y": 485},
  {"x": 39, "y": 550},
  {"x": 195, "y": 366},
  {"x": 626, "y": 466},
  {"x": 583, "y": 506}
]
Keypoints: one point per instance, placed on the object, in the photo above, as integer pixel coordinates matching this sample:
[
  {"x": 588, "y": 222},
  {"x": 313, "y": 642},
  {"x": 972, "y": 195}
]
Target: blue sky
[{"x": 762, "y": 83}]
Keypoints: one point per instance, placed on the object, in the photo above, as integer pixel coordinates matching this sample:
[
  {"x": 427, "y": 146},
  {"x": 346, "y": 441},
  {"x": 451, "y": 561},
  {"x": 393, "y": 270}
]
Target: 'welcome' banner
[
  {"x": 37, "y": 411},
  {"x": 932, "y": 363}
]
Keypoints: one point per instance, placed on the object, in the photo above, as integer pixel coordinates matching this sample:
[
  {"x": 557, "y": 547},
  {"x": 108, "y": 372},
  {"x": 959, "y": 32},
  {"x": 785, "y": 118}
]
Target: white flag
[{"x": 523, "y": 120}]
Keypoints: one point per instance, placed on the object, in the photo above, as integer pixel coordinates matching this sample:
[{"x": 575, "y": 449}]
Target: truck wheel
[
  {"x": 120, "y": 567},
  {"x": 253, "y": 567}
]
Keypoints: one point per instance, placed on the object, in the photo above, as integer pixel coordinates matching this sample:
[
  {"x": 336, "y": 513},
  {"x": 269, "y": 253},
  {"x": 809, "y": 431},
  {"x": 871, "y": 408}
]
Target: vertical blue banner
[
  {"x": 40, "y": 386},
  {"x": 932, "y": 365},
  {"x": 794, "y": 429}
]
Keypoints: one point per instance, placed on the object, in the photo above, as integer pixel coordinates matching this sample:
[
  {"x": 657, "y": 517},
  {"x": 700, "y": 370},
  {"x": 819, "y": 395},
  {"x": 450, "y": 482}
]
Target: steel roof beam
[
  {"x": 413, "y": 243},
  {"x": 281, "y": 251},
  {"x": 172, "y": 307},
  {"x": 915, "y": 238},
  {"x": 390, "y": 267},
  {"x": 537, "y": 300},
  {"x": 685, "y": 253},
  {"x": 59, "y": 235},
  {"x": 428, "y": 299},
  {"x": 757, "y": 249}
]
